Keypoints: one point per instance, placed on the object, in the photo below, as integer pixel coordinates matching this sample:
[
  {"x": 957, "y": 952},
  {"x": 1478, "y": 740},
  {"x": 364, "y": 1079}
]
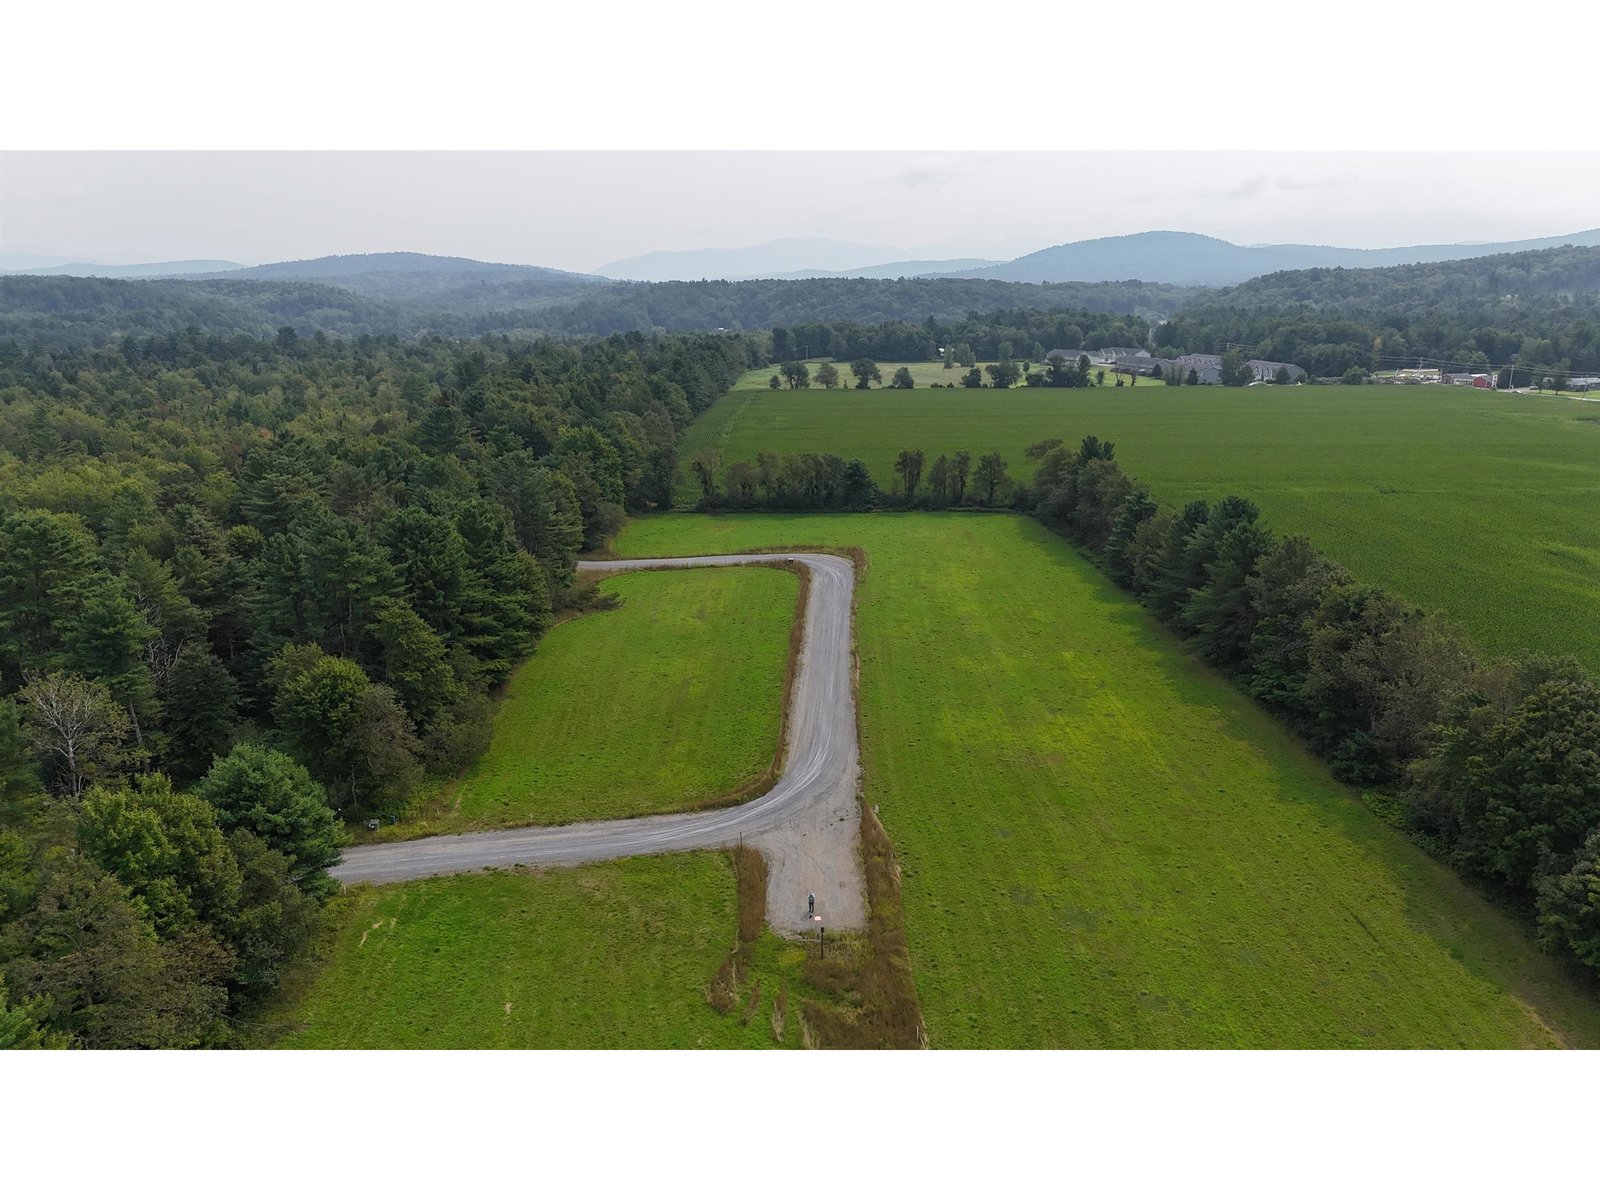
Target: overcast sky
[{"x": 577, "y": 211}]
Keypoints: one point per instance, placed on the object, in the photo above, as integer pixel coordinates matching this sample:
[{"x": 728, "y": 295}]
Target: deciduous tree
[
  {"x": 76, "y": 727},
  {"x": 866, "y": 373},
  {"x": 990, "y": 479},
  {"x": 908, "y": 465}
]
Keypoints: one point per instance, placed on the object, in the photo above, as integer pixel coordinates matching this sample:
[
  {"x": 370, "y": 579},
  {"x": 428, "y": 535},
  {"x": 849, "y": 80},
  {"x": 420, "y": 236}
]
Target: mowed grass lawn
[
  {"x": 1105, "y": 844},
  {"x": 661, "y": 705},
  {"x": 613, "y": 955},
  {"x": 1485, "y": 505}
]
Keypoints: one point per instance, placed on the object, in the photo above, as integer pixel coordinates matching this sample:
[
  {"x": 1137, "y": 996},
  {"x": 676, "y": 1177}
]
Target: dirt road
[{"x": 807, "y": 826}]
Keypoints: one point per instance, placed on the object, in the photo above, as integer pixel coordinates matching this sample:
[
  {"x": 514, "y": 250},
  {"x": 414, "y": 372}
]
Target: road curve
[{"x": 806, "y": 826}]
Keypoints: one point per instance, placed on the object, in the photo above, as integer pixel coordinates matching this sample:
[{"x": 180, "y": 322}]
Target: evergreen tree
[
  {"x": 1222, "y": 611},
  {"x": 47, "y": 566},
  {"x": 1175, "y": 572},
  {"x": 270, "y": 796},
  {"x": 199, "y": 704},
  {"x": 1138, "y": 508}
]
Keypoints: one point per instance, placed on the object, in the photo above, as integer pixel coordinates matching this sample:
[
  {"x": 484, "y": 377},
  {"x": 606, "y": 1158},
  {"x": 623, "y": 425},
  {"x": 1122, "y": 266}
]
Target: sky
[{"x": 579, "y": 210}]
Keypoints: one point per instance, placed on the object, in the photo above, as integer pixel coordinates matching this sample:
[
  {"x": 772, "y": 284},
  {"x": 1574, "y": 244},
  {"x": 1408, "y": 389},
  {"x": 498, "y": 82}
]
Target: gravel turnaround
[{"x": 807, "y": 826}]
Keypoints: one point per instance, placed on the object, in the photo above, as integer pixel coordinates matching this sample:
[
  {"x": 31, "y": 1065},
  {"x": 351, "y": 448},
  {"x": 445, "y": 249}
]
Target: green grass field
[
  {"x": 609, "y": 956},
  {"x": 1104, "y": 844},
  {"x": 1485, "y": 505},
  {"x": 661, "y": 705}
]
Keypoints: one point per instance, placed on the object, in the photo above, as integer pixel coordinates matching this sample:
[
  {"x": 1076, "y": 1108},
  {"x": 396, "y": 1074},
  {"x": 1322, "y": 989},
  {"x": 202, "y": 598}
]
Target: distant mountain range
[
  {"x": 355, "y": 266},
  {"x": 411, "y": 295},
  {"x": 1193, "y": 259},
  {"x": 1159, "y": 257},
  {"x": 158, "y": 270},
  {"x": 436, "y": 282},
  {"x": 1188, "y": 259},
  {"x": 916, "y": 269},
  {"x": 787, "y": 258}
]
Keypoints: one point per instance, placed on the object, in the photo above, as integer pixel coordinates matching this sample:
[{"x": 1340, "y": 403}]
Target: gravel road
[{"x": 807, "y": 826}]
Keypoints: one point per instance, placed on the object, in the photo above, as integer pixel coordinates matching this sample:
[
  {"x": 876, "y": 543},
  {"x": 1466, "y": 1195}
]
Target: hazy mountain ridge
[
  {"x": 462, "y": 301},
  {"x": 915, "y": 269},
  {"x": 436, "y": 283},
  {"x": 395, "y": 262},
  {"x": 155, "y": 270},
  {"x": 1197, "y": 260},
  {"x": 785, "y": 258}
]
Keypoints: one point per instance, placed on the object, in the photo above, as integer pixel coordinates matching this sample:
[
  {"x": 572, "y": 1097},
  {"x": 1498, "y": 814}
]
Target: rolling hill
[
  {"x": 1194, "y": 259},
  {"x": 155, "y": 270}
]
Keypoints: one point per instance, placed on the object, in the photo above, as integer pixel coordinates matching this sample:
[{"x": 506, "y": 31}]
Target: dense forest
[
  {"x": 1541, "y": 306},
  {"x": 73, "y": 312},
  {"x": 1569, "y": 274},
  {"x": 763, "y": 303},
  {"x": 253, "y": 589}
]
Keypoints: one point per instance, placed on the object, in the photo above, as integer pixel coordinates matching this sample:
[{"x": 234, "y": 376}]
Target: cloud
[
  {"x": 929, "y": 175},
  {"x": 1260, "y": 183},
  {"x": 1250, "y": 186},
  {"x": 1313, "y": 183}
]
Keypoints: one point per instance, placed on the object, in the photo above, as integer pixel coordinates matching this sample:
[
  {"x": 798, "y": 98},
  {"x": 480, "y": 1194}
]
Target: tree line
[
  {"x": 1492, "y": 765},
  {"x": 1002, "y": 334},
  {"x": 255, "y": 589},
  {"x": 826, "y": 482},
  {"x": 1057, "y": 371}
]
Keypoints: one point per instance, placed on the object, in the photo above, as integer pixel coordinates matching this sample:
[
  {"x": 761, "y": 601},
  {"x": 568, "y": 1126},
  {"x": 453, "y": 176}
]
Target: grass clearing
[
  {"x": 607, "y": 956},
  {"x": 672, "y": 701},
  {"x": 1104, "y": 844},
  {"x": 1485, "y": 505}
]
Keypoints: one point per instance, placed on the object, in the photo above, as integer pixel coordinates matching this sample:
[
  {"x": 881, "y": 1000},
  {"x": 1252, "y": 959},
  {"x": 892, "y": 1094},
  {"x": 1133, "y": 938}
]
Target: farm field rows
[
  {"x": 661, "y": 705},
  {"x": 1104, "y": 844},
  {"x": 1485, "y": 505}
]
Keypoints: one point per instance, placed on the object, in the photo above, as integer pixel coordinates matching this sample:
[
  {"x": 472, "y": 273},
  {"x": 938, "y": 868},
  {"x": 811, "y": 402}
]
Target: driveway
[{"x": 807, "y": 826}]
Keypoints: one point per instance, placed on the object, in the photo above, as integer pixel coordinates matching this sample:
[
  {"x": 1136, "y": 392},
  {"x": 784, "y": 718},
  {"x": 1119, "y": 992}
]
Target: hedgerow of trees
[{"x": 1494, "y": 766}]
